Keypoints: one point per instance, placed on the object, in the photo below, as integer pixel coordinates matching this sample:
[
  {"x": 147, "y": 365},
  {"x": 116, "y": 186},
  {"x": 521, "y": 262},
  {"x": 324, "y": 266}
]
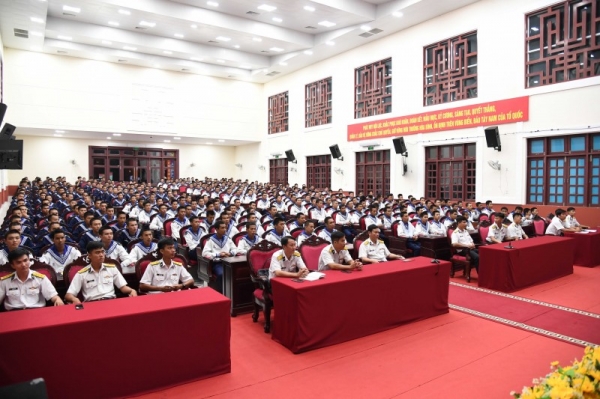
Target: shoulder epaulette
[
  {"x": 85, "y": 269},
  {"x": 380, "y": 241},
  {"x": 156, "y": 262},
  {"x": 296, "y": 253},
  {"x": 345, "y": 248},
  {"x": 177, "y": 263},
  {"x": 332, "y": 250},
  {"x": 366, "y": 242},
  {"x": 37, "y": 274},
  {"x": 7, "y": 276},
  {"x": 108, "y": 265},
  {"x": 280, "y": 257}
]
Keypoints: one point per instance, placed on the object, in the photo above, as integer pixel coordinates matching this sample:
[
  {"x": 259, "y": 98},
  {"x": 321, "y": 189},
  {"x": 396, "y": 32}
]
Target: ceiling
[{"x": 235, "y": 39}]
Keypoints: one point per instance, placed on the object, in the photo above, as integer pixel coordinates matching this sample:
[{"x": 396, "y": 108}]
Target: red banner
[{"x": 486, "y": 114}]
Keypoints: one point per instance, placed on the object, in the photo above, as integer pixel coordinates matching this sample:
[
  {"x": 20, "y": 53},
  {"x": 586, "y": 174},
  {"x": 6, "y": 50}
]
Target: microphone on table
[
  {"x": 509, "y": 246},
  {"x": 435, "y": 259}
]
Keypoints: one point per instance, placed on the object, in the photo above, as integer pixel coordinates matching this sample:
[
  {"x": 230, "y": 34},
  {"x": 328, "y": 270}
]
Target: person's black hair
[
  {"x": 285, "y": 240},
  {"x": 370, "y": 228},
  {"x": 17, "y": 253},
  {"x": 165, "y": 242},
  {"x": 336, "y": 236},
  {"x": 93, "y": 245}
]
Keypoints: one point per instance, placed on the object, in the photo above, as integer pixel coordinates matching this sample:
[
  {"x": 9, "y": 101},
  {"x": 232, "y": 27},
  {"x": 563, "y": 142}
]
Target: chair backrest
[
  {"x": 46, "y": 270},
  {"x": 449, "y": 235},
  {"x": 414, "y": 222},
  {"x": 266, "y": 233},
  {"x": 319, "y": 228},
  {"x": 267, "y": 225},
  {"x": 395, "y": 228},
  {"x": 182, "y": 235},
  {"x": 539, "y": 225},
  {"x": 242, "y": 219},
  {"x": 484, "y": 228},
  {"x": 358, "y": 240},
  {"x": 241, "y": 226},
  {"x": 311, "y": 251},
  {"x": 296, "y": 232},
  {"x": 71, "y": 270},
  {"x": 167, "y": 226},
  {"x": 5, "y": 269},
  {"x": 483, "y": 217},
  {"x": 259, "y": 256},
  {"x": 236, "y": 238},
  {"x": 361, "y": 222},
  {"x": 142, "y": 264}
]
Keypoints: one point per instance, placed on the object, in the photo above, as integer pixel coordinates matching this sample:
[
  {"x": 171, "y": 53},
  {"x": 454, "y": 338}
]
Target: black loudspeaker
[
  {"x": 335, "y": 152},
  {"x": 289, "y": 154},
  {"x": 7, "y": 132},
  {"x": 492, "y": 137},
  {"x": 2, "y": 111},
  {"x": 34, "y": 389},
  {"x": 399, "y": 145}
]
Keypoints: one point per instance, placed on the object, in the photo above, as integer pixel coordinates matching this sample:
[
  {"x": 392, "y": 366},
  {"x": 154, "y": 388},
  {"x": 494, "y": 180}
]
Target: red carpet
[{"x": 555, "y": 321}]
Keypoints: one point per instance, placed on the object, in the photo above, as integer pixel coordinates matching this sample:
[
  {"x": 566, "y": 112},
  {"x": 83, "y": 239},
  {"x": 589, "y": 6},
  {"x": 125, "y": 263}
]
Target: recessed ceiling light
[
  {"x": 330, "y": 43},
  {"x": 108, "y": 42},
  {"x": 223, "y": 38},
  {"x": 178, "y": 35},
  {"x": 397, "y": 14},
  {"x": 277, "y": 19},
  {"x": 129, "y": 48},
  {"x": 125, "y": 12},
  {"x": 257, "y": 39},
  {"x": 36, "y": 33},
  {"x": 61, "y": 37},
  {"x": 38, "y": 20},
  {"x": 308, "y": 52},
  {"x": 209, "y": 143},
  {"x": 148, "y": 24},
  {"x": 177, "y": 138},
  {"x": 221, "y": 61},
  {"x": 283, "y": 63},
  {"x": 309, "y": 8},
  {"x": 109, "y": 138},
  {"x": 117, "y": 134},
  {"x": 167, "y": 141},
  {"x": 276, "y": 49},
  {"x": 59, "y": 131},
  {"x": 194, "y": 26},
  {"x": 196, "y": 59},
  {"x": 58, "y": 135},
  {"x": 113, "y": 23},
  {"x": 365, "y": 27},
  {"x": 167, "y": 52},
  {"x": 212, "y": 3},
  {"x": 267, "y": 8},
  {"x": 237, "y": 46},
  {"x": 221, "y": 141},
  {"x": 327, "y": 24},
  {"x": 72, "y": 9}
]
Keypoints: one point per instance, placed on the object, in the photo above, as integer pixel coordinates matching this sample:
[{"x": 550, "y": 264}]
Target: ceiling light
[
  {"x": 327, "y": 24},
  {"x": 277, "y": 19},
  {"x": 194, "y": 26},
  {"x": 330, "y": 43},
  {"x": 212, "y": 3},
  {"x": 223, "y": 38},
  {"x": 221, "y": 141},
  {"x": 156, "y": 66},
  {"x": 309, "y": 8},
  {"x": 276, "y": 49},
  {"x": 237, "y": 46},
  {"x": 58, "y": 135},
  {"x": 117, "y": 134},
  {"x": 267, "y": 8},
  {"x": 38, "y": 20},
  {"x": 283, "y": 63},
  {"x": 221, "y": 61},
  {"x": 365, "y": 27},
  {"x": 167, "y": 141},
  {"x": 209, "y": 143},
  {"x": 148, "y": 24},
  {"x": 129, "y": 48},
  {"x": 125, "y": 12},
  {"x": 36, "y": 33},
  {"x": 177, "y": 138},
  {"x": 257, "y": 39},
  {"x": 113, "y": 23},
  {"x": 109, "y": 138},
  {"x": 59, "y": 131},
  {"x": 72, "y": 9},
  {"x": 196, "y": 59},
  {"x": 107, "y": 42},
  {"x": 178, "y": 35},
  {"x": 167, "y": 52},
  {"x": 245, "y": 66},
  {"x": 535, "y": 28},
  {"x": 61, "y": 37},
  {"x": 397, "y": 14},
  {"x": 308, "y": 52}
]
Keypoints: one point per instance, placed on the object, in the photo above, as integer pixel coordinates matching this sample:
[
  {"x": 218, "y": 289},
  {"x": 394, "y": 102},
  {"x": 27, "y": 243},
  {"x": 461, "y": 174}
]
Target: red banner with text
[{"x": 486, "y": 114}]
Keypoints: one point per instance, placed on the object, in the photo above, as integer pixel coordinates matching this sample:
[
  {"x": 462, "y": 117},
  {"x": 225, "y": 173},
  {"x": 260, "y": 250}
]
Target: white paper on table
[
  {"x": 585, "y": 232},
  {"x": 591, "y": 231},
  {"x": 313, "y": 276}
]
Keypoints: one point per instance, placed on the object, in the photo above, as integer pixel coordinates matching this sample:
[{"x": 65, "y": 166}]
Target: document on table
[
  {"x": 585, "y": 231},
  {"x": 314, "y": 276},
  {"x": 591, "y": 231}
]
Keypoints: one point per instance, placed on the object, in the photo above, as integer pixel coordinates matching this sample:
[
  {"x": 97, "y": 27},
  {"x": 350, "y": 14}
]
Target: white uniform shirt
[
  {"x": 144, "y": 217},
  {"x": 326, "y": 235},
  {"x": 514, "y": 231},
  {"x": 280, "y": 262},
  {"x": 281, "y": 207},
  {"x": 330, "y": 255},
  {"x": 97, "y": 285},
  {"x": 555, "y": 226},
  {"x": 437, "y": 228},
  {"x": 117, "y": 252},
  {"x": 370, "y": 219},
  {"x": 342, "y": 219},
  {"x": 31, "y": 293},
  {"x": 138, "y": 251},
  {"x": 192, "y": 239},
  {"x": 58, "y": 261},
  {"x": 377, "y": 251},
  {"x": 406, "y": 230},
  {"x": 263, "y": 204},
  {"x": 461, "y": 237},
  {"x": 245, "y": 243},
  {"x": 296, "y": 210},
  {"x": 161, "y": 275},
  {"x": 274, "y": 237},
  {"x": 571, "y": 222},
  {"x": 496, "y": 232},
  {"x": 318, "y": 214},
  {"x": 423, "y": 229},
  {"x": 387, "y": 223},
  {"x": 303, "y": 237},
  {"x": 157, "y": 222},
  {"x": 214, "y": 246},
  {"x": 176, "y": 225}
]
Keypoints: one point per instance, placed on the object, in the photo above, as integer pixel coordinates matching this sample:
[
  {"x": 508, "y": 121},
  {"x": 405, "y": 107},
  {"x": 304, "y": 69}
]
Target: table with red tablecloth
[
  {"x": 586, "y": 247},
  {"x": 530, "y": 262},
  {"x": 345, "y": 306},
  {"x": 118, "y": 347}
]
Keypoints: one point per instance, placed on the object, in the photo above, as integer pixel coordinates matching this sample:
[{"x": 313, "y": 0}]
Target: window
[
  {"x": 373, "y": 172},
  {"x": 317, "y": 100},
  {"x": 278, "y": 171},
  {"x": 318, "y": 171},
  {"x": 562, "y": 43},
  {"x": 450, "y": 172},
  {"x": 450, "y": 70},
  {"x": 278, "y": 113},
  {"x": 373, "y": 89},
  {"x": 567, "y": 173}
]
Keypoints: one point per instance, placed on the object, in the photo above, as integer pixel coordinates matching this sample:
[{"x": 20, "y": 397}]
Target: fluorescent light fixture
[
  {"x": 245, "y": 66},
  {"x": 177, "y": 138},
  {"x": 257, "y": 39},
  {"x": 61, "y": 37},
  {"x": 109, "y": 138},
  {"x": 276, "y": 49},
  {"x": 167, "y": 141},
  {"x": 124, "y": 12},
  {"x": 36, "y": 33},
  {"x": 178, "y": 35},
  {"x": 167, "y": 52},
  {"x": 209, "y": 143},
  {"x": 535, "y": 28},
  {"x": 309, "y": 8},
  {"x": 237, "y": 46},
  {"x": 156, "y": 65},
  {"x": 221, "y": 61},
  {"x": 308, "y": 52},
  {"x": 148, "y": 24},
  {"x": 196, "y": 59},
  {"x": 397, "y": 14},
  {"x": 38, "y": 20},
  {"x": 107, "y": 42},
  {"x": 59, "y": 131},
  {"x": 58, "y": 135},
  {"x": 212, "y": 3},
  {"x": 277, "y": 19},
  {"x": 223, "y": 38},
  {"x": 327, "y": 24},
  {"x": 221, "y": 141},
  {"x": 267, "y": 8},
  {"x": 113, "y": 23},
  {"x": 72, "y": 9},
  {"x": 330, "y": 43},
  {"x": 129, "y": 48},
  {"x": 193, "y": 26},
  {"x": 365, "y": 27},
  {"x": 283, "y": 63},
  {"x": 117, "y": 134}
]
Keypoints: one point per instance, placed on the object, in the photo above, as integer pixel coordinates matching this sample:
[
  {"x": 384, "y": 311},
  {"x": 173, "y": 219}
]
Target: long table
[
  {"x": 586, "y": 248},
  {"x": 342, "y": 306},
  {"x": 530, "y": 262},
  {"x": 118, "y": 347}
]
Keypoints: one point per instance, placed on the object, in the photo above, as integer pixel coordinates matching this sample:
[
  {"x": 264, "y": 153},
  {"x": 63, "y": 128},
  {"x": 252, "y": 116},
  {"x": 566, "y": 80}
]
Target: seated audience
[
  {"x": 336, "y": 257},
  {"x": 59, "y": 254},
  {"x": 166, "y": 274},
  {"x": 114, "y": 250},
  {"x": 570, "y": 220},
  {"x": 514, "y": 230},
  {"x": 249, "y": 240},
  {"x": 309, "y": 231},
  {"x": 217, "y": 247},
  {"x": 462, "y": 241},
  {"x": 287, "y": 262},
  {"x": 142, "y": 248},
  {"x": 407, "y": 230},
  {"x": 497, "y": 231},
  {"x": 559, "y": 224},
  {"x": 374, "y": 250}
]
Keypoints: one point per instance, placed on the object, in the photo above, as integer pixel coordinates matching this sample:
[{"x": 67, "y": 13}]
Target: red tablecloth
[
  {"x": 531, "y": 262},
  {"x": 586, "y": 248},
  {"x": 342, "y": 306},
  {"x": 118, "y": 347}
]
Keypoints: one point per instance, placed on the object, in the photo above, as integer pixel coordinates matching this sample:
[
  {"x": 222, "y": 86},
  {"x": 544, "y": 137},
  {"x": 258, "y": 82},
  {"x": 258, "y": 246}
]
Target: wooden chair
[
  {"x": 6, "y": 269},
  {"x": 205, "y": 266},
  {"x": 398, "y": 244},
  {"x": 310, "y": 250},
  {"x": 358, "y": 240},
  {"x": 259, "y": 261},
  {"x": 460, "y": 261},
  {"x": 540, "y": 226},
  {"x": 46, "y": 270},
  {"x": 484, "y": 228},
  {"x": 296, "y": 232},
  {"x": 236, "y": 238}
]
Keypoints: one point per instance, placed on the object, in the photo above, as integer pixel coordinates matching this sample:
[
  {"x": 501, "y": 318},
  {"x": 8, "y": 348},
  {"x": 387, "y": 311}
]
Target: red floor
[{"x": 450, "y": 356}]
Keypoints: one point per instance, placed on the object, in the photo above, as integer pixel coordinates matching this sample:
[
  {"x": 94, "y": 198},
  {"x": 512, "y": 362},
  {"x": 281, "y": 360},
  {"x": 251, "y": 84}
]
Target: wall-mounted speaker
[
  {"x": 335, "y": 152},
  {"x": 399, "y": 145},
  {"x": 492, "y": 138},
  {"x": 289, "y": 154},
  {"x": 7, "y": 132}
]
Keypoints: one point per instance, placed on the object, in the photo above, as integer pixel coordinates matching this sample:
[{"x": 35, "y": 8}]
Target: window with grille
[
  {"x": 373, "y": 171},
  {"x": 318, "y": 171},
  {"x": 450, "y": 172},
  {"x": 278, "y": 171},
  {"x": 317, "y": 103},
  {"x": 278, "y": 113},
  {"x": 373, "y": 89},
  {"x": 564, "y": 170},
  {"x": 562, "y": 43},
  {"x": 450, "y": 70}
]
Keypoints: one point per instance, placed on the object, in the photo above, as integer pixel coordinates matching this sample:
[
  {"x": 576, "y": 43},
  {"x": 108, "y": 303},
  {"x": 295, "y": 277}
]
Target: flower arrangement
[{"x": 578, "y": 381}]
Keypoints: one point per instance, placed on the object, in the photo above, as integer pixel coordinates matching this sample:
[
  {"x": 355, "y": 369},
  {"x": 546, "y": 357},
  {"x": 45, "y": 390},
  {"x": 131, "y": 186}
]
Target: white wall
[{"x": 3, "y": 173}]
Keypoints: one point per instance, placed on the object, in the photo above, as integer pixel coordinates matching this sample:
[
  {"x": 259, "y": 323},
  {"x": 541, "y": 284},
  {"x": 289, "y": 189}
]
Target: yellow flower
[
  {"x": 562, "y": 392},
  {"x": 554, "y": 363},
  {"x": 587, "y": 386}
]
